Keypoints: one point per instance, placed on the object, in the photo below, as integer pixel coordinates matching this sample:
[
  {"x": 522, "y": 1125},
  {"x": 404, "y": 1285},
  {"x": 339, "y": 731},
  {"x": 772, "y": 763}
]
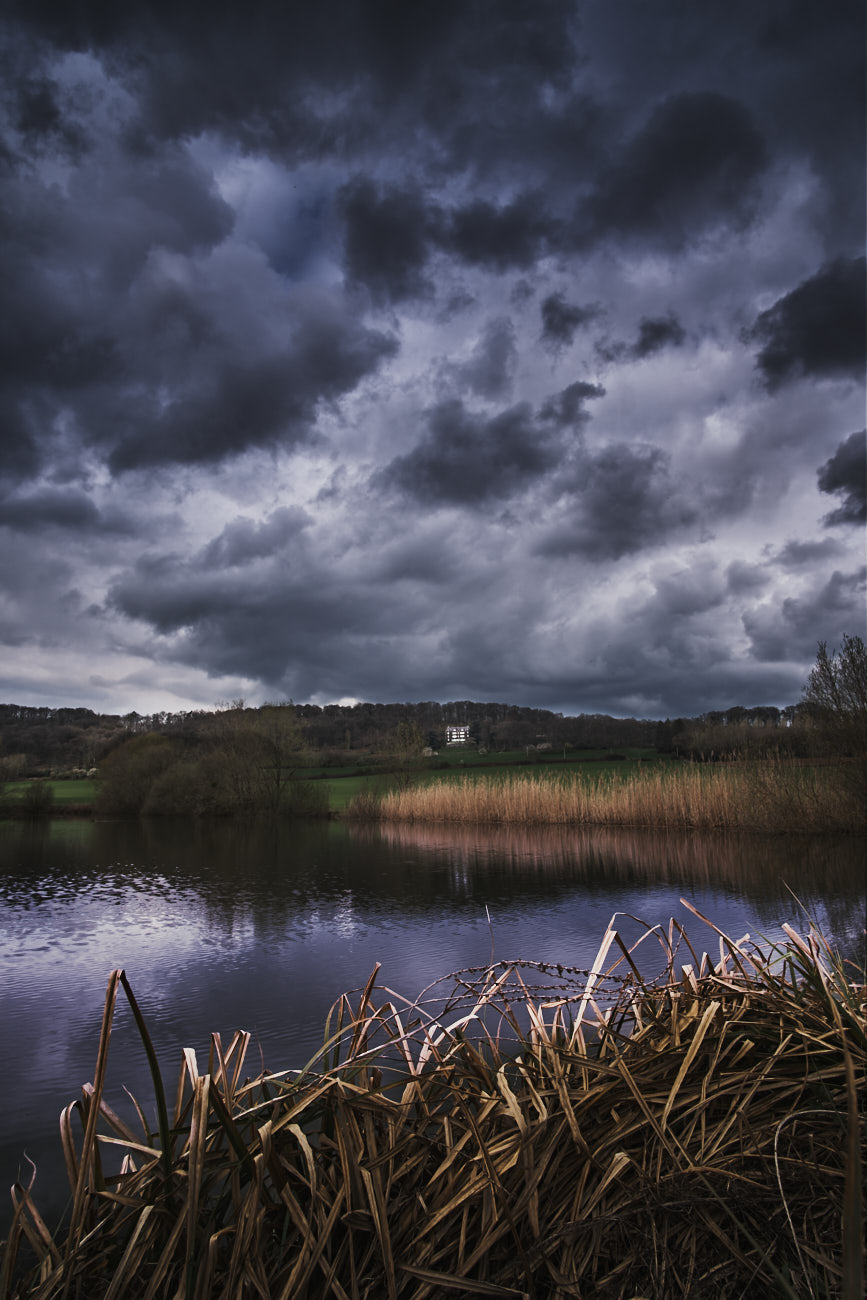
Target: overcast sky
[{"x": 487, "y": 349}]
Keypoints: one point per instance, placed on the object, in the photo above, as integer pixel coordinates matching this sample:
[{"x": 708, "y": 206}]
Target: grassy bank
[
  {"x": 551, "y": 1133},
  {"x": 635, "y": 789},
  {"x": 769, "y": 795},
  {"x": 69, "y": 796}
]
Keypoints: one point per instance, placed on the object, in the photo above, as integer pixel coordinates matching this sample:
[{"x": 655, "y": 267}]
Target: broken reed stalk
[
  {"x": 766, "y": 795},
  {"x": 534, "y": 1131}
]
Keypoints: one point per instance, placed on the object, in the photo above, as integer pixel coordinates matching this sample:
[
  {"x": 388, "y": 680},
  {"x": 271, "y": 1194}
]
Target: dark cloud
[
  {"x": 845, "y": 474},
  {"x": 561, "y": 320},
  {"x": 745, "y": 578},
  {"x": 826, "y": 611},
  {"x": 814, "y": 72},
  {"x": 42, "y": 512},
  {"x": 244, "y": 540},
  {"x": 190, "y": 370},
  {"x": 51, "y": 507},
  {"x": 20, "y": 458},
  {"x": 39, "y": 118},
  {"x": 499, "y": 238},
  {"x": 324, "y": 79},
  {"x": 621, "y": 500},
  {"x": 799, "y": 555},
  {"x": 466, "y": 458},
  {"x": 488, "y": 372},
  {"x": 693, "y": 167},
  {"x": 260, "y": 402},
  {"x": 656, "y": 333},
  {"x": 288, "y": 624},
  {"x": 37, "y": 110},
  {"x": 818, "y": 330},
  {"x": 205, "y": 216},
  {"x": 421, "y": 559},
  {"x": 387, "y": 239},
  {"x": 236, "y": 73},
  {"x": 567, "y": 407}
]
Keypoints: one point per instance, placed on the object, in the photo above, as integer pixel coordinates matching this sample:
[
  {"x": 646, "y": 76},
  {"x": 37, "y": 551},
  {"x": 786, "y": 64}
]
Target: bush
[
  {"x": 306, "y": 799},
  {"x": 38, "y": 799},
  {"x": 128, "y": 772}
]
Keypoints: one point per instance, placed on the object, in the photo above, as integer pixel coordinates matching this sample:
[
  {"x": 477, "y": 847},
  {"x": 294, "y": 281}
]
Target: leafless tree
[{"x": 836, "y": 691}]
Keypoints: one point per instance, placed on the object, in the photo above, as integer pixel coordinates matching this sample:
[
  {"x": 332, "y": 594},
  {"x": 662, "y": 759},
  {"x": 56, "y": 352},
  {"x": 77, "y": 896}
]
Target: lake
[{"x": 261, "y": 926}]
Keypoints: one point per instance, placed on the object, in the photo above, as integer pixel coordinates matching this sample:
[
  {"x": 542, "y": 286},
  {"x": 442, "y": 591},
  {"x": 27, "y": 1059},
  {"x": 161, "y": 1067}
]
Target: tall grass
[
  {"x": 548, "y": 1133},
  {"x": 770, "y": 795}
]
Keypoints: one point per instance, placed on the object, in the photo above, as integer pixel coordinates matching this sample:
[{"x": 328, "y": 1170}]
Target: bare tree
[
  {"x": 279, "y": 741},
  {"x": 836, "y": 691},
  {"x": 263, "y": 748},
  {"x": 403, "y": 751}
]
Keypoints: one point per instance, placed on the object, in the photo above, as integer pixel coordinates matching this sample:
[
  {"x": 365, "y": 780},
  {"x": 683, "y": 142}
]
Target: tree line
[{"x": 830, "y": 718}]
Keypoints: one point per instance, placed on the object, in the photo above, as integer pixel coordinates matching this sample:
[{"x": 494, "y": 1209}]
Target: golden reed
[
  {"x": 497, "y": 1136},
  {"x": 769, "y": 795}
]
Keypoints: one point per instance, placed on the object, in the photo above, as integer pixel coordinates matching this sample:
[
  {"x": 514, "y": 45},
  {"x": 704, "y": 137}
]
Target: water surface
[{"x": 262, "y": 926}]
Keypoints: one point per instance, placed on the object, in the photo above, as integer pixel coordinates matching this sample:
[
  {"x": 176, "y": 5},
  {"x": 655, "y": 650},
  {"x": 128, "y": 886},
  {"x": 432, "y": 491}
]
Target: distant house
[{"x": 457, "y": 735}]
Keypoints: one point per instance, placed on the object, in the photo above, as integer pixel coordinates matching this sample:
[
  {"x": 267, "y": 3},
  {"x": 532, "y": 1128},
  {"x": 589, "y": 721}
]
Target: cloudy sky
[{"x": 481, "y": 349}]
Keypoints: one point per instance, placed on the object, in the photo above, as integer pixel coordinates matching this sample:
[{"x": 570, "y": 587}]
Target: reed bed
[
  {"x": 525, "y": 1131},
  {"x": 769, "y": 795}
]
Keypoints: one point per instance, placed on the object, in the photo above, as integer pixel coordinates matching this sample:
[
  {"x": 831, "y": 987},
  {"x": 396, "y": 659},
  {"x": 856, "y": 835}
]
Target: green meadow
[
  {"x": 80, "y": 790},
  {"x": 343, "y": 783}
]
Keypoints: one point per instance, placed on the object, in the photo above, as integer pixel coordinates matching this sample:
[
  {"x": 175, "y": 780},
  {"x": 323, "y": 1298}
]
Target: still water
[{"x": 262, "y": 926}]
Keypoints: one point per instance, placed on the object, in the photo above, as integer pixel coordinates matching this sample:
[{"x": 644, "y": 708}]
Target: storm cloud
[
  {"x": 561, "y": 319},
  {"x": 818, "y": 329},
  {"x": 393, "y": 352},
  {"x": 845, "y": 475},
  {"x": 620, "y": 500},
  {"x": 656, "y": 333},
  {"x": 466, "y": 458},
  {"x": 387, "y": 239},
  {"x": 693, "y": 166}
]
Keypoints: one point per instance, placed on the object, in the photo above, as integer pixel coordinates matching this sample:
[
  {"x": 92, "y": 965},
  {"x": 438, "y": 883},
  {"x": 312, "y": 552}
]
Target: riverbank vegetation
[
  {"x": 283, "y": 758},
  {"x": 242, "y": 761},
  {"x": 761, "y": 795},
  {"x": 518, "y": 1131}
]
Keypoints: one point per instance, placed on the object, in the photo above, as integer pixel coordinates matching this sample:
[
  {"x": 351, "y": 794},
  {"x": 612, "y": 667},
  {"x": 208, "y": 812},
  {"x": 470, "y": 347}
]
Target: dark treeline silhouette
[
  {"x": 38, "y": 740},
  {"x": 34, "y": 741}
]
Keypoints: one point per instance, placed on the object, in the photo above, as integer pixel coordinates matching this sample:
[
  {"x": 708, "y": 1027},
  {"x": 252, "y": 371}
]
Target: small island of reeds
[{"x": 521, "y": 1131}]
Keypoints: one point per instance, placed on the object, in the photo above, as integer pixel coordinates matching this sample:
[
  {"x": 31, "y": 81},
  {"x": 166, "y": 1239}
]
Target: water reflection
[
  {"x": 767, "y": 870},
  {"x": 261, "y": 926}
]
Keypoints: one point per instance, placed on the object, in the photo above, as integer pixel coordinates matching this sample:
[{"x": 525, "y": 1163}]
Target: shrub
[
  {"x": 38, "y": 799},
  {"x": 306, "y": 799},
  {"x": 127, "y": 773}
]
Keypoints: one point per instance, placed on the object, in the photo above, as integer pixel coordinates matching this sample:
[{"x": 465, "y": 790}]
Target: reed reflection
[
  {"x": 774, "y": 874},
  {"x": 752, "y": 865}
]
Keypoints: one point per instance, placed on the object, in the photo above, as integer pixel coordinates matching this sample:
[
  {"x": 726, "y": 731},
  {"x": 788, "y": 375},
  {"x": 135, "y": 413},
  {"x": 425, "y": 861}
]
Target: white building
[{"x": 457, "y": 735}]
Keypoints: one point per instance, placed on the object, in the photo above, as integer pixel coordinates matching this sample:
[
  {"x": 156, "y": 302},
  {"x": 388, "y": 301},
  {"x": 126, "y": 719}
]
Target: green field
[
  {"x": 78, "y": 791},
  {"x": 345, "y": 782}
]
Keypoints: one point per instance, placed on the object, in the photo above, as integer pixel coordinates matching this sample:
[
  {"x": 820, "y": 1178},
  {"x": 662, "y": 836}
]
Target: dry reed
[
  {"x": 551, "y": 1132},
  {"x": 769, "y": 795}
]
